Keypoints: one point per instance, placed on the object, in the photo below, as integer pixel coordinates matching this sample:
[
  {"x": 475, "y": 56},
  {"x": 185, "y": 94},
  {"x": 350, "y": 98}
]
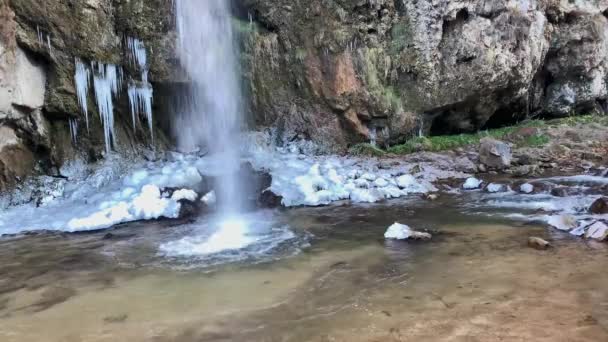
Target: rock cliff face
[{"x": 334, "y": 71}]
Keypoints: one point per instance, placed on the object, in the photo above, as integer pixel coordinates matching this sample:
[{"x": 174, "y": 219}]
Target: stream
[{"x": 331, "y": 278}]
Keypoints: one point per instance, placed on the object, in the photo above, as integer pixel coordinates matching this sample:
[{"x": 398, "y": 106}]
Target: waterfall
[{"x": 213, "y": 118}]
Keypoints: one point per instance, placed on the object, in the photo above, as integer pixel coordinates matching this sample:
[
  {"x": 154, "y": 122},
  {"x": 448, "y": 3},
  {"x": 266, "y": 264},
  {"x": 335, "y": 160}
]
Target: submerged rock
[
  {"x": 399, "y": 231},
  {"x": 538, "y": 243},
  {"x": 495, "y": 154},
  {"x": 600, "y": 206},
  {"x": 269, "y": 199}
]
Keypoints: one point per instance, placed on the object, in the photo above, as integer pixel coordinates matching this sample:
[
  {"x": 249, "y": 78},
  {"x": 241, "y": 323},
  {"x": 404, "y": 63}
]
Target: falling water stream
[
  {"x": 207, "y": 53},
  {"x": 213, "y": 117}
]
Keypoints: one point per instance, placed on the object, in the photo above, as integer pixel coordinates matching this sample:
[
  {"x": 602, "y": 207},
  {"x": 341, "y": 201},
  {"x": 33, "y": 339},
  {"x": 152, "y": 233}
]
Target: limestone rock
[
  {"x": 16, "y": 159},
  {"x": 494, "y": 153},
  {"x": 538, "y": 243}
]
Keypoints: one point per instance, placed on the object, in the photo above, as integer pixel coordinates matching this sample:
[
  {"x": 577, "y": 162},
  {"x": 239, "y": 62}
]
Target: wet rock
[
  {"x": 269, "y": 199},
  {"x": 464, "y": 164},
  {"x": 524, "y": 170},
  {"x": 597, "y": 231},
  {"x": 399, "y": 231},
  {"x": 495, "y": 154},
  {"x": 472, "y": 183},
  {"x": 563, "y": 191},
  {"x": 189, "y": 208},
  {"x": 600, "y": 206},
  {"x": 430, "y": 197},
  {"x": 538, "y": 243}
]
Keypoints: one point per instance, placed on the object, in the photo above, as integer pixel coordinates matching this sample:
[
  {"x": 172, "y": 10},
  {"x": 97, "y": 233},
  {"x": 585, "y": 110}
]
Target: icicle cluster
[
  {"x": 82, "y": 77},
  {"x": 44, "y": 39},
  {"x": 140, "y": 99},
  {"x": 107, "y": 82},
  {"x": 140, "y": 93},
  {"x": 137, "y": 50}
]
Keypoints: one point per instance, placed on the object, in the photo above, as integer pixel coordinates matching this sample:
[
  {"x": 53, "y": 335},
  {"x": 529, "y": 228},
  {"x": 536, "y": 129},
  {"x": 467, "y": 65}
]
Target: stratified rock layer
[{"x": 337, "y": 72}]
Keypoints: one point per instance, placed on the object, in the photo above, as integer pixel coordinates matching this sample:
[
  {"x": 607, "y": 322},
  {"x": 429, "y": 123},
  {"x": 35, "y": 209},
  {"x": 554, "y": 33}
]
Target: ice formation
[
  {"x": 105, "y": 84},
  {"x": 137, "y": 52},
  {"x": 82, "y": 78},
  {"x": 472, "y": 183},
  {"x": 526, "y": 188},
  {"x": 140, "y": 92},
  {"x": 140, "y": 100},
  {"x": 398, "y": 231},
  {"x": 98, "y": 200}
]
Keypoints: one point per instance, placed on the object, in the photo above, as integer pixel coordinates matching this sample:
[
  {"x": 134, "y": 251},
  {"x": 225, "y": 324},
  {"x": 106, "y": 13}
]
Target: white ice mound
[
  {"x": 399, "y": 231},
  {"x": 472, "y": 183},
  {"x": 184, "y": 194},
  {"x": 526, "y": 188},
  {"x": 315, "y": 180}
]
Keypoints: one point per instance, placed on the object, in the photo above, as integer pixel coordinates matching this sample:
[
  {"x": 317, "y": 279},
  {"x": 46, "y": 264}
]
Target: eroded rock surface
[{"x": 338, "y": 72}]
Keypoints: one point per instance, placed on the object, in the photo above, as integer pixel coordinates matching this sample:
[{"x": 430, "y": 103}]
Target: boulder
[
  {"x": 600, "y": 206},
  {"x": 16, "y": 159},
  {"x": 399, "y": 231},
  {"x": 495, "y": 154},
  {"x": 538, "y": 243}
]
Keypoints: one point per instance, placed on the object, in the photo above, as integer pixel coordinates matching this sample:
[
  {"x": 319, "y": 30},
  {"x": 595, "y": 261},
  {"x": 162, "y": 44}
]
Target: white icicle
[
  {"x": 82, "y": 79},
  {"x": 105, "y": 82},
  {"x": 140, "y": 99},
  {"x": 137, "y": 50}
]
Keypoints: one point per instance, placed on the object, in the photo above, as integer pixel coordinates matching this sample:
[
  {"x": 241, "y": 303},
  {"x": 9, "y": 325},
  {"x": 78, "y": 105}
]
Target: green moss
[
  {"x": 449, "y": 142},
  {"x": 366, "y": 150},
  {"x": 535, "y": 141},
  {"x": 387, "y": 95},
  {"x": 579, "y": 120}
]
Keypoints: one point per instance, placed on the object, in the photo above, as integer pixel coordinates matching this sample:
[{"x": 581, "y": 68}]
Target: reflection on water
[{"x": 475, "y": 281}]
